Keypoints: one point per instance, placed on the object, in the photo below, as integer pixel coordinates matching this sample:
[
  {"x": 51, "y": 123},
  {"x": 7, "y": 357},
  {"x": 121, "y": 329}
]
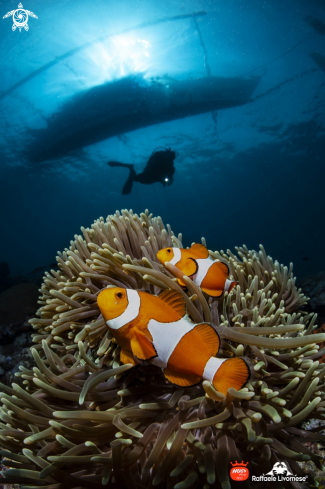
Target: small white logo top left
[{"x": 20, "y": 18}]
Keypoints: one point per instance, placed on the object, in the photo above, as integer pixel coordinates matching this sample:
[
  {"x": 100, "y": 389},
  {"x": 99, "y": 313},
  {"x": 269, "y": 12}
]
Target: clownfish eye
[
  {"x": 169, "y": 250},
  {"x": 119, "y": 295}
]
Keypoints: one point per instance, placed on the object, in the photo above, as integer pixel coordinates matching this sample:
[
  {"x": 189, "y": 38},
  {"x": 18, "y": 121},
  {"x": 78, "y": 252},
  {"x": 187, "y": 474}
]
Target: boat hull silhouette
[{"x": 129, "y": 104}]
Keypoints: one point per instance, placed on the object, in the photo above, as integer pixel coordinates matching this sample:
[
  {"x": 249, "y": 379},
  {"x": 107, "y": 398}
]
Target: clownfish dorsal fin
[
  {"x": 127, "y": 357},
  {"x": 181, "y": 379},
  {"x": 142, "y": 348},
  {"x": 200, "y": 250},
  {"x": 174, "y": 299}
]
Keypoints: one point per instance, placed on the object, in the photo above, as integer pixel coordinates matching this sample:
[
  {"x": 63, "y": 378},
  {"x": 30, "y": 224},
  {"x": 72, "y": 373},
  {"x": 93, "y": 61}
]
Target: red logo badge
[{"x": 239, "y": 471}]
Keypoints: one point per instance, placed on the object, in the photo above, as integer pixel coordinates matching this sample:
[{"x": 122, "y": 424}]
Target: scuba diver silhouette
[{"x": 159, "y": 168}]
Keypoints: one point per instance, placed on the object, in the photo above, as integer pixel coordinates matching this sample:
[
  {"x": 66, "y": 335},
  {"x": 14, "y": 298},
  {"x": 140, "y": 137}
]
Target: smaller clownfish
[
  {"x": 195, "y": 262},
  {"x": 158, "y": 330}
]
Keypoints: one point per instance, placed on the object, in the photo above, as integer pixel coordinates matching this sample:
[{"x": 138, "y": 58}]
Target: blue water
[{"x": 250, "y": 174}]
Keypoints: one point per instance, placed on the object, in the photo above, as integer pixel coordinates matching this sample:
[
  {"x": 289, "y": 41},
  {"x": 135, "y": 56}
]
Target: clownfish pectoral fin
[
  {"x": 234, "y": 372},
  {"x": 200, "y": 250},
  {"x": 142, "y": 347},
  {"x": 181, "y": 283},
  {"x": 175, "y": 300},
  {"x": 188, "y": 267},
  {"x": 127, "y": 357},
  {"x": 181, "y": 379}
]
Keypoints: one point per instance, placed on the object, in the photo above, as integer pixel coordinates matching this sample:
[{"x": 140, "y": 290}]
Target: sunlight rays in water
[{"x": 118, "y": 57}]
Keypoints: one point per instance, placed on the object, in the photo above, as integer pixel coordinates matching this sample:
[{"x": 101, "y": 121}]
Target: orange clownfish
[
  {"x": 158, "y": 330},
  {"x": 196, "y": 263}
]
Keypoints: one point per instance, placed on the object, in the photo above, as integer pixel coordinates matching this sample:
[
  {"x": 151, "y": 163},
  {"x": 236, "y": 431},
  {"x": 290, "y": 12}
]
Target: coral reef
[
  {"x": 83, "y": 420},
  {"x": 314, "y": 287},
  {"x": 13, "y": 355},
  {"x": 17, "y": 305}
]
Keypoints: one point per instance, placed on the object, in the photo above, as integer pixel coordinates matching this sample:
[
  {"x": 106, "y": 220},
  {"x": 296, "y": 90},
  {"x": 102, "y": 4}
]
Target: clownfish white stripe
[
  {"x": 177, "y": 256},
  {"x": 166, "y": 336},
  {"x": 203, "y": 266},
  {"x": 227, "y": 284},
  {"x": 130, "y": 313},
  {"x": 211, "y": 367}
]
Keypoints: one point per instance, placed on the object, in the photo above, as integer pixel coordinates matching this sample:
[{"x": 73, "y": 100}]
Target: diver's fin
[
  {"x": 127, "y": 357},
  {"x": 142, "y": 347},
  {"x": 200, "y": 250},
  {"x": 175, "y": 300},
  {"x": 129, "y": 183},
  {"x": 181, "y": 379},
  {"x": 234, "y": 372}
]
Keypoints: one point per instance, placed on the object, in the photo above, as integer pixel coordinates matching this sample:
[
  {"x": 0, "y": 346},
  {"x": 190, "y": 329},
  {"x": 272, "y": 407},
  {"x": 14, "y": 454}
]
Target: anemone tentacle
[{"x": 82, "y": 419}]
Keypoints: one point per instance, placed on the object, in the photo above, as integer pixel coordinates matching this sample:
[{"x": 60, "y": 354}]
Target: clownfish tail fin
[{"x": 234, "y": 372}]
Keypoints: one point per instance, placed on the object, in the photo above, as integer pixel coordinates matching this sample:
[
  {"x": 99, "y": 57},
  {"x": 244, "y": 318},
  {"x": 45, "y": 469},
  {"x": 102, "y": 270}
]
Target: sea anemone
[{"x": 83, "y": 420}]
